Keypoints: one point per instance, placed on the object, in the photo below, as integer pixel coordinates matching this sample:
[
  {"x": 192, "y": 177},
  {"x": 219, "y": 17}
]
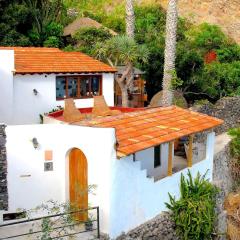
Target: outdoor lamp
[
  {"x": 35, "y": 143},
  {"x": 35, "y": 91}
]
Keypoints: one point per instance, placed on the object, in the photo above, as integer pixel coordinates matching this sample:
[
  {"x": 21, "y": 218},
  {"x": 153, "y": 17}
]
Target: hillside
[{"x": 224, "y": 13}]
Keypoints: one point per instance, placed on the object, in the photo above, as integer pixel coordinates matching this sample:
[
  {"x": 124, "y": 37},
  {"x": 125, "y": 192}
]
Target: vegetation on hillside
[{"x": 32, "y": 23}]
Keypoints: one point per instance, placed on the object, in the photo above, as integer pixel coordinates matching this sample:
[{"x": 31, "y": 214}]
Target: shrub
[
  {"x": 194, "y": 212},
  {"x": 235, "y": 152},
  {"x": 207, "y": 36},
  {"x": 235, "y": 144},
  {"x": 229, "y": 53},
  {"x": 52, "y": 42},
  {"x": 54, "y": 29},
  {"x": 86, "y": 38},
  {"x": 218, "y": 80}
]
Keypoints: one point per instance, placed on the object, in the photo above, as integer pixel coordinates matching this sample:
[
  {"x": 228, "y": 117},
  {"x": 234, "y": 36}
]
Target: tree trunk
[
  {"x": 130, "y": 19},
  {"x": 130, "y": 28},
  {"x": 124, "y": 91},
  {"x": 170, "y": 52}
]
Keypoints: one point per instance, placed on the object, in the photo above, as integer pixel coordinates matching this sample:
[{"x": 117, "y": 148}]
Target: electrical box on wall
[{"x": 48, "y": 166}]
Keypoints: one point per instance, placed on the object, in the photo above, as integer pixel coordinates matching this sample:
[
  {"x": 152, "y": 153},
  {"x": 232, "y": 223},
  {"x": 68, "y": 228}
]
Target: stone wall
[
  {"x": 160, "y": 227},
  {"x": 227, "y": 109},
  {"x": 3, "y": 170},
  {"x": 223, "y": 180}
]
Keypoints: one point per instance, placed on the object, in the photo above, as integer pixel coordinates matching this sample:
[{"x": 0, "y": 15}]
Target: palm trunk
[
  {"x": 170, "y": 52},
  {"x": 130, "y": 28},
  {"x": 130, "y": 19}
]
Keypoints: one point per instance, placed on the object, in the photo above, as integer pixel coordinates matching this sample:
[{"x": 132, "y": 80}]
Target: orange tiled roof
[
  {"x": 150, "y": 127},
  {"x": 52, "y": 60}
]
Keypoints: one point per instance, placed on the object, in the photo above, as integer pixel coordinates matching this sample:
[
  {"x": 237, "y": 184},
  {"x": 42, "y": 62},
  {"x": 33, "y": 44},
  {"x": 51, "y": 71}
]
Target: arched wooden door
[{"x": 78, "y": 182}]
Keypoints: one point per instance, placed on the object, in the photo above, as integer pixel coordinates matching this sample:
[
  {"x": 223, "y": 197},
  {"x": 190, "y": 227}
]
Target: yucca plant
[{"x": 194, "y": 212}]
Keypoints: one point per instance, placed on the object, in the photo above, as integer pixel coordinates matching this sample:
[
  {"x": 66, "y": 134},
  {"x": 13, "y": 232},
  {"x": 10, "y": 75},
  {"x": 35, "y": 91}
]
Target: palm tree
[
  {"x": 130, "y": 28},
  {"x": 170, "y": 52},
  {"x": 130, "y": 19},
  {"x": 122, "y": 50}
]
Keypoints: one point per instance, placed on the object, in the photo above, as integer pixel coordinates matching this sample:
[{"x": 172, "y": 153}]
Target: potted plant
[{"x": 89, "y": 223}]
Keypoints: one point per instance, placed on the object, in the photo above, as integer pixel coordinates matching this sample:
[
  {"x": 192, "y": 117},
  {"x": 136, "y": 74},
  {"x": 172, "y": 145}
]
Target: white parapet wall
[
  {"x": 6, "y": 85},
  {"x": 29, "y": 185},
  {"x": 136, "y": 199}
]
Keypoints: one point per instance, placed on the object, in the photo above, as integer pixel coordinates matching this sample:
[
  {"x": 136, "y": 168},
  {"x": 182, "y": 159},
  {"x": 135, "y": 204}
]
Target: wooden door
[{"x": 78, "y": 183}]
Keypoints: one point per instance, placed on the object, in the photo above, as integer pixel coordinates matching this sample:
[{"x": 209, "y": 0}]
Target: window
[
  {"x": 78, "y": 86},
  {"x": 157, "y": 156}
]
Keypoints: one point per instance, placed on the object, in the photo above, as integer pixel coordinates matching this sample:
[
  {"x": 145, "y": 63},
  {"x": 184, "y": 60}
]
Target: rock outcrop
[{"x": 225, "y": 13}]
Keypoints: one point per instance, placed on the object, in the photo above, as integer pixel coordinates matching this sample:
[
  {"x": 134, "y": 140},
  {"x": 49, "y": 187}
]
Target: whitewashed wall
[
  {"x": 19, "y": 105},
  {"x": 28, "y": 106},
  {"x": 147, "y": 161},
  {"x": 136, "y": 198},
  {"x": 29, "y": 192},
  {"x": 6, "y": 85}
]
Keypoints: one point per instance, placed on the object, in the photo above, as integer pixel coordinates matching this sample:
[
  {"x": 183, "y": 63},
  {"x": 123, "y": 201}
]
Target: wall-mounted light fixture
[
  {"x": 35, "y": 92},
  {"x": 35, "y": 143}
]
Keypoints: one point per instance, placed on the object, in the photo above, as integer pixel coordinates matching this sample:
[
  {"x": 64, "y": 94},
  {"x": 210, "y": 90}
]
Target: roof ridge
[{"x": 53, "y": 60}]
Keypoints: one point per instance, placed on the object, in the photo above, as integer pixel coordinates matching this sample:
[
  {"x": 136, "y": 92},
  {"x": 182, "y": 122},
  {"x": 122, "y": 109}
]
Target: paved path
[{"x": 221, "y": 141}]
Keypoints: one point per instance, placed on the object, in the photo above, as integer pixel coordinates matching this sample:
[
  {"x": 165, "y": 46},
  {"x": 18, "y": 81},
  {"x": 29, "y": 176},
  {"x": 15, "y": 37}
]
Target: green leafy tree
[
  {"x": 48, "y": 16},
  {"x": 218, "y": 80},
  {"x": 229, "y": 53},
  {"x": 15, "y": 22},
  {"x": 207, "y": 37},
  {"x": 87, "y": 38}
]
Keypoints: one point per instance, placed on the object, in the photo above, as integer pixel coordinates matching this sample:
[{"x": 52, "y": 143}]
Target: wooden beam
[
  {"x": 190, "y": 151},
  {"x": 170, "y": 158}
]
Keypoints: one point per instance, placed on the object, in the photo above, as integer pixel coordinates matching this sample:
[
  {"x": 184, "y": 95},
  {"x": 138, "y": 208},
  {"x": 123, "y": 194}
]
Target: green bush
[
  {"x": 229, "y": 53},
  {"x": 194, "y": 212},
  {"x": 207, "y": 36},
  {"x": 54, "y": 29},
  {"x": 86, "y": 38},
  {"x": 52, "y": 42},
  {"x": 235, "y": 144}
]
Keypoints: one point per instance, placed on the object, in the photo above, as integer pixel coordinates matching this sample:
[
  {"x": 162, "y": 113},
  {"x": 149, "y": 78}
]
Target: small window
[
  {"x": 61, "y": 87},
  {"x": 78, "y": 86},
  {"x": 14, "y": 216},
  {"x": 157, "y": 156}
]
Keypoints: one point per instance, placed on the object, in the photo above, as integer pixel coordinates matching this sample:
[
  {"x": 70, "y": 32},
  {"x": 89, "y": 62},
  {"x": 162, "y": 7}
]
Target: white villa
[
  {"x": 36, "y": 80},
  {"x": 131, "y": 155}
]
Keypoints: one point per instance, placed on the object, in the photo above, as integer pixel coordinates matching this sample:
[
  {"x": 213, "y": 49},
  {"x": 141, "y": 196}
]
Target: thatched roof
[{"x": 84, "y": 22}]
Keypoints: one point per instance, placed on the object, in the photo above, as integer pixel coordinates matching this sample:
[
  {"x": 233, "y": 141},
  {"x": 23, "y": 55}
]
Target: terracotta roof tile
[
  {"x": 30, "y": 60},
  {"x": 136, "y": 131}
]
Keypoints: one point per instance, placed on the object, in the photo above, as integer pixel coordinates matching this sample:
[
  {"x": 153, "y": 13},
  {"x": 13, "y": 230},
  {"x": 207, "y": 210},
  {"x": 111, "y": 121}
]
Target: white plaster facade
[
  {"x": 29, "y": 185},
  {"x": 126, "y": 191},
  {"x": 19, "y": 105}
]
